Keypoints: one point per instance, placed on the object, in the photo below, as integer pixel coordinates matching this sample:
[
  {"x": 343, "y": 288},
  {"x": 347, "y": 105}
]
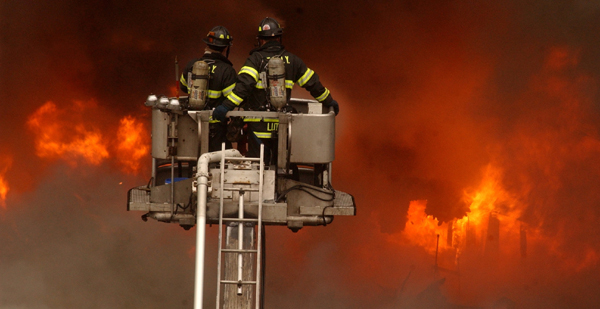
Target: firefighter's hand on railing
[
  {"x": 220, "y": 113},
  {"x": 336, "y": 107}
]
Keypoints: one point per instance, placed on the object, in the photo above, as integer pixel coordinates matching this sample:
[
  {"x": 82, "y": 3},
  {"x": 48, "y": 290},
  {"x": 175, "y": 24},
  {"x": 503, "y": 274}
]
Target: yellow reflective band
[
  {"x": 228, "y": 90},
  {"x": 183, "y": 81},
  {"x": 211, "y": 120},
  {"x": 323, "y": 96},
  {"x": 250, "y": 71},
  {"x": 235, "y": 99},
  {"x": 214, "y": 94},
  {"x": 259, "y": 119},
  {"x": 306, "y": 77},
  {"x": 262, "y": 134}
]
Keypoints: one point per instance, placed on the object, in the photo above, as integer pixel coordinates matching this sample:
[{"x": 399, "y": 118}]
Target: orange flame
[
  {"x": 132, "y": 144},
  {"x": 59, "y": 135},
  {"x": 548, "y": 145},
  {"x": 490, "y": 199},
  {"x": 421, "y": 229},
  {"x": 5, "y": 164},
  {"x": 78, "y": 132}
]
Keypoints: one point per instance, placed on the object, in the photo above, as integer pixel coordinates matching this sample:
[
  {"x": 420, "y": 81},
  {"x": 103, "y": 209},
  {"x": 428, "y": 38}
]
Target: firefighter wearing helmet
[
  {"x": 208, "y": 80},
  {"x": 254, "y": 88}
]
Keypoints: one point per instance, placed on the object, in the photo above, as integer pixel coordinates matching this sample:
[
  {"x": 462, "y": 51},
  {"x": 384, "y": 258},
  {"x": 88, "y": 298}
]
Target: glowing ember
[
  {"x": 133, "y": 144},
  {"x": 59, "y": 134}
]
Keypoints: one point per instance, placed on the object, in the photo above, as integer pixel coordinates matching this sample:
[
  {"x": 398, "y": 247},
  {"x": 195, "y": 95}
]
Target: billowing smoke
[{"x": 483, "y": 117}]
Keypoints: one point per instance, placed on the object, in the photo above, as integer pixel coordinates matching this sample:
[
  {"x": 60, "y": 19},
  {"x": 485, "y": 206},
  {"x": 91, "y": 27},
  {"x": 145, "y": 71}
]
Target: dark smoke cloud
[
  {"x": 431, "y": 92},
  {"x": 69, "y": 244}
]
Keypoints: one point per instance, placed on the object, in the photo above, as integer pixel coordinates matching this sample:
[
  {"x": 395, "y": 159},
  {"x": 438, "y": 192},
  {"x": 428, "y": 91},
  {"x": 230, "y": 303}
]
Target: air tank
[
  {"x": 276, "y": 76},
  {"x": 198, "y": 81}
]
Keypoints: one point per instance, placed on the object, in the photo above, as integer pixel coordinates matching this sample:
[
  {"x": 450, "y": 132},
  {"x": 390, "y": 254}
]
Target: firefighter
[
  {"x": 251, "y": 89},
  {"x": 220, "y": 81}
]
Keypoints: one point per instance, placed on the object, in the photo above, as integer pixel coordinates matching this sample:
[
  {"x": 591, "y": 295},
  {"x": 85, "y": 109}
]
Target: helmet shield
[
  {"x": 269, "y": 27},
  {"x": 218, "y": 37}
]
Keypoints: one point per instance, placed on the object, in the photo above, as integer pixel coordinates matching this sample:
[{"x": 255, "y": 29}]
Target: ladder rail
[
  {"x": 240, "y": 257},
  {"x": 222, "y": 179},
  {"x": 259, "y": 228},
  {"x": 241, "y": 251}
]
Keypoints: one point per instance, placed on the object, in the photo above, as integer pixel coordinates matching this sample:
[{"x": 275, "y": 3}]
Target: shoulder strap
[{"x": 263, "y": 60}]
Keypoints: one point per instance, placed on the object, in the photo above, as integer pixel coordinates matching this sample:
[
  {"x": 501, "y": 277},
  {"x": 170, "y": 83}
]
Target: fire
[
  {"x": 79, "y": 132},
  {"x": 5, "y": 165},
  {"x": 520, "y": 199},
  {"x": 3, "y": 191},
  {"x": 489, "y": 202},
  {"x": 490, "y": 198},
  {"x": 132, "y": 144},
  {"x": 60, "y": 134},
  {"x": 421, "y": 229}
]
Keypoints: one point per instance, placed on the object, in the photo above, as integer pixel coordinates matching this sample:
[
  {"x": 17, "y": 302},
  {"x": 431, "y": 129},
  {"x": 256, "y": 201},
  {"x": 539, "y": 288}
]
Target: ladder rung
[
  {"x": 240, "y": 189},
  {"x": 240, "y": 220},
  {"x": 240, "y": 251},
  {"x": 236, "y": 282}
]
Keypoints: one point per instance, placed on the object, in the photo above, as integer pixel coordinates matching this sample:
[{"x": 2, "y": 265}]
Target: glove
[
  {"x": 220, "y": 113},
  {"x": 234, "y": 129},
  {"x": 336, "y": 107}
]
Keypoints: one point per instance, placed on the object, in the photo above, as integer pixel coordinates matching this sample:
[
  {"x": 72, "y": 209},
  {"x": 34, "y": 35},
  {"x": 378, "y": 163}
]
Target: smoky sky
[{"x": 430, "y": 92}]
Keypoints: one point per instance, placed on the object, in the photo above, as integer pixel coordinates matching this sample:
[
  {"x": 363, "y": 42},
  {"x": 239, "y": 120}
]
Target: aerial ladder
[{"x": 192, "y": 186}]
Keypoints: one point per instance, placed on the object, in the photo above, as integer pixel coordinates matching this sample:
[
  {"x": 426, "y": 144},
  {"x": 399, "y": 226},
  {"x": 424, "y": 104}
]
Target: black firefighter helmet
[
  {"x": 218, "y": 38},
  {"x": 269, "y": 27}
]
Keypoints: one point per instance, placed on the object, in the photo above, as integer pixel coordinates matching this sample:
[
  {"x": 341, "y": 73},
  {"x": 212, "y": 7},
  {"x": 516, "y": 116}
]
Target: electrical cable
[
  {"x": 149, "y": 182},
  {"x": 304, "y": 188},
  {"x": 184, "y": 207}
]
